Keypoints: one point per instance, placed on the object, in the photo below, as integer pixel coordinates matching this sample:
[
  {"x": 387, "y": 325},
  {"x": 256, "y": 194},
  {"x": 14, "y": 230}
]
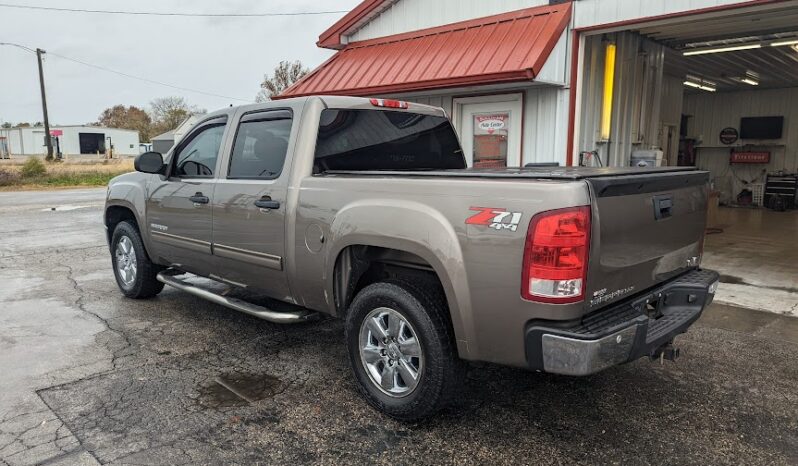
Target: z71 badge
[{"x": 496, "y": 218}]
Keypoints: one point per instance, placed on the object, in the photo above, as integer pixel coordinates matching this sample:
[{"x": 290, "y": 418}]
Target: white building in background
[{"x": 71, "y": 140}]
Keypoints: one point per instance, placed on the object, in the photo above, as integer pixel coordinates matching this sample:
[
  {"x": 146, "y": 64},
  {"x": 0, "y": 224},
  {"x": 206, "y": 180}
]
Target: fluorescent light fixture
[
  {"x": 780, "y": 43},
  {"x": 750, "y": 81},
  {"x": 609, "y": 82},
  {"x": 730, "y": 48},
  {"x": 699, "y": 83}
]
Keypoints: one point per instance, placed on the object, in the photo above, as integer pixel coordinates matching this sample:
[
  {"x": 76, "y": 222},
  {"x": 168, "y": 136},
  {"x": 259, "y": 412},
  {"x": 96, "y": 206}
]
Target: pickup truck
[{"x": 364, "y": 209}]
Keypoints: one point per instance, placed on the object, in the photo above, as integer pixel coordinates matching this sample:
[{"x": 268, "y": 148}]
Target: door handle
[
  {"x": 199, "y": 198},
  {"x": 266, "y": 202}
]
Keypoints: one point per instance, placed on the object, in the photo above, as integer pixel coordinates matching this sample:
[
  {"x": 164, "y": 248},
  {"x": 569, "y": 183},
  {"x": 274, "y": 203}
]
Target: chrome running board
[{"x": 169, "y": 277}]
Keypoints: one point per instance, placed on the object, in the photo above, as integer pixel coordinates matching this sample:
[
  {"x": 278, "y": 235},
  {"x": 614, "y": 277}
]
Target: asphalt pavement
[{"x": 89, "y": 377}]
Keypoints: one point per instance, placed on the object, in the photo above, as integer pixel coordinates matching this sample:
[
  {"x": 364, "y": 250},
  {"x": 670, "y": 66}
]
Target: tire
[
  {"x": 440, "y": 373},
  {"x": 138, "y": 281}
]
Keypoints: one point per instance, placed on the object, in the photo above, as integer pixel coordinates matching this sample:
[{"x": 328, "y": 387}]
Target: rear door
[
  {"x": 180, "y": 207},
  {"x": 249, "y": 221},
  {"x": 647, "y": 229}
]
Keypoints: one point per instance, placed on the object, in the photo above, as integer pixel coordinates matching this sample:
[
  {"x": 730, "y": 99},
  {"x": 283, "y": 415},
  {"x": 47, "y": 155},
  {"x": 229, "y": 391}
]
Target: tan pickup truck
[{"x": 364, "y": 209}]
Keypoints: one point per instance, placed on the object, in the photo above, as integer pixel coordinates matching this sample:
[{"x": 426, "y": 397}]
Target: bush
[
  {"x": 8, "y": 178},
  {"x": 33, "y": 168}
]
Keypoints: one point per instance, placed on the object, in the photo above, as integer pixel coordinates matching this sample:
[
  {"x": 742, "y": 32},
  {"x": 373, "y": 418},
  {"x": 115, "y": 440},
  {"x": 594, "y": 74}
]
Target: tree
[
  {"x": 285, "y": 74},
  {"x": 131, "y": 117},
  {"x": 22, "y": 124},
  {"x": 6, "y": 125},
  {"x": 168, "y": 112}
]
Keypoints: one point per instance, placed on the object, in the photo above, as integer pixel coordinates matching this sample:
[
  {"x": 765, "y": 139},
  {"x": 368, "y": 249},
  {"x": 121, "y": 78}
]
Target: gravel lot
[{"x": 89, "y": 377}]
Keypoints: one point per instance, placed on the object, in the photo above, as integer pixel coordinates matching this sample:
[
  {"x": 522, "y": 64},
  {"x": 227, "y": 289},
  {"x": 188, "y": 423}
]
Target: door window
[
  {"x": 260, "y": 148},
  {"x": 490, "y": 139},
  {"x": 197, "y": 159}
]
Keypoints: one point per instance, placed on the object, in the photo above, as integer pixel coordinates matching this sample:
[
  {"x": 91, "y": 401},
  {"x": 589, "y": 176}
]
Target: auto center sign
[{"x": 491, "y": 123}]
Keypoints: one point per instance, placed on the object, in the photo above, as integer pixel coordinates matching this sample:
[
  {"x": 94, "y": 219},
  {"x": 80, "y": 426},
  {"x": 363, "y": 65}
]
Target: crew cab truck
[{"x": 363, "y": 209}]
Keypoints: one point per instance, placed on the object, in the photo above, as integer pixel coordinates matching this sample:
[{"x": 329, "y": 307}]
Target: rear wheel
[
  {"x": 135, "y": 273},
  {"x": 402, "y": 349}
]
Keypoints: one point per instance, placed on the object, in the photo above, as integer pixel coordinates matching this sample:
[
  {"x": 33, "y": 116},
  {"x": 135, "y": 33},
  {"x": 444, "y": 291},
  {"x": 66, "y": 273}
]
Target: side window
[
  {"x": 198, "y": 157},
  {"x": 260, "y": 146}
]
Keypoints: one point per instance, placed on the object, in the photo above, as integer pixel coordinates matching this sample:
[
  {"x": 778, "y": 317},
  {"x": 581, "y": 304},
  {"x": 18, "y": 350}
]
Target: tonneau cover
[{"x": 552, "y": 173}]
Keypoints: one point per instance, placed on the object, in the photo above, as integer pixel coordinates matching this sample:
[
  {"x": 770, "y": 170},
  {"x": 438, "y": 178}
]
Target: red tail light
[
  {"x": 555, "y": 256},
  {"x": 389, "y": 103}
]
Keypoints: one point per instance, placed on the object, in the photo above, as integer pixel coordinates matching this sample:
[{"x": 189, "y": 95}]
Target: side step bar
[{"x": 168, "y": 277}]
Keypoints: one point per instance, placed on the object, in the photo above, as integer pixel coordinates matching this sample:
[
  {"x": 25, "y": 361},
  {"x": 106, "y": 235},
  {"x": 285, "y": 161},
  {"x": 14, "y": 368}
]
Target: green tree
[
  {"x": 285, "y": 74},
  {"x": 131, "y": 117}
]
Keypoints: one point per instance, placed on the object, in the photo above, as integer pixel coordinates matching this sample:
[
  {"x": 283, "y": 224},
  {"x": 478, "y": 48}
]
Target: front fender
[
  {"x": 130, "y": 191},
  {"x": 415, "y": 228}
]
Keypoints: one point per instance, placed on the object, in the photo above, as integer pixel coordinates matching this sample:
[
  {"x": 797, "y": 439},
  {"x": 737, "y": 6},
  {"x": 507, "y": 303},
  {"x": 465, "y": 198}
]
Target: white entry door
[{"x": 490, "y": 130}]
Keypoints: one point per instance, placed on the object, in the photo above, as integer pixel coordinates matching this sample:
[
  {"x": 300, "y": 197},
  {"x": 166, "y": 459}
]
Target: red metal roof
[{"x": 503, "y": 48}]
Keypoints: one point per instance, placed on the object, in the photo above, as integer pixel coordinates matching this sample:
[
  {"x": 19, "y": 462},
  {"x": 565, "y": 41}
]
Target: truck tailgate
[{"x": 646, "y": 229}]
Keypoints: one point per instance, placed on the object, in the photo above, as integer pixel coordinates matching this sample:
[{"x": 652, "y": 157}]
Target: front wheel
[
  {"x": 135, "y": 273},
  {"x": 402, "y": 349}
]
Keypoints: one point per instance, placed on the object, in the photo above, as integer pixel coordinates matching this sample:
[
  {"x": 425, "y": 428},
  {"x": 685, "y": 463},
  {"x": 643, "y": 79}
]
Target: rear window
[{"x": 385, "y": 140}]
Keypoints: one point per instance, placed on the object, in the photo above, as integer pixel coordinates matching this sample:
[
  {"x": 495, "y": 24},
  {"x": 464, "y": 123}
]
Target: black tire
[
  {"x": 442, "y": 373},
  {"x": 144, "y": 284}
]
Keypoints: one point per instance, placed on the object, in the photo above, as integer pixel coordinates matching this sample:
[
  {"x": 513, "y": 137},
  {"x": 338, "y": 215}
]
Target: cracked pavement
[{"x": 89, "y": 377}]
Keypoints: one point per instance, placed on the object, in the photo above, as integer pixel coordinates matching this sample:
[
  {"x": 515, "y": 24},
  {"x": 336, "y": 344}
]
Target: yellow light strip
[{"x": 609, "y": 82}]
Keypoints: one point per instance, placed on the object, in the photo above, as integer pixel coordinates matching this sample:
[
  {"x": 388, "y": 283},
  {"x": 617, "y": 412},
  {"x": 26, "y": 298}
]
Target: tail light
[
  {"x": 389, "y": 103},
  {"x": 555, "y": 256}
]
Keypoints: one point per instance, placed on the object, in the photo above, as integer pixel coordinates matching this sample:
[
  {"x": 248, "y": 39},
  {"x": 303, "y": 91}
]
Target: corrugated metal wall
[
  {"x": 412, "y": 15},
  {"x": 711, "y": 112},
  {"x": 595, "y": 12},
  {"x": 637, "y": 95}
]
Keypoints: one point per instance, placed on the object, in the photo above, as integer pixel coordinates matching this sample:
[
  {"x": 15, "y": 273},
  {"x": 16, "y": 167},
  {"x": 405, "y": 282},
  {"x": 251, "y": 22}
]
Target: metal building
[
  {"x": 596, "y": 82},
  {"x": 71, "y": 140}
]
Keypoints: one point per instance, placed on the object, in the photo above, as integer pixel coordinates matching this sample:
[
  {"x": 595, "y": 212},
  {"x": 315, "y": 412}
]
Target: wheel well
[
  {"x": 359, "y": 266},
  {"x": 116, "y": 214}
]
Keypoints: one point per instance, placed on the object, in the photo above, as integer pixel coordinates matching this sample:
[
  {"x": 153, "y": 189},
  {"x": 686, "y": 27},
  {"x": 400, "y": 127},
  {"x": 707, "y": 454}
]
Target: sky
[{"x": 224, "y": 56}]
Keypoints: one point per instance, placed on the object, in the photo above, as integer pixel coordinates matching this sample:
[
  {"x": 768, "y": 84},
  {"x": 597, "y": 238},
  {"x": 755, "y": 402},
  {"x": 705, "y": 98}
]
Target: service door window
[
  {"x": 490, "y": 139},
  {"x": 197, "y": 159}
]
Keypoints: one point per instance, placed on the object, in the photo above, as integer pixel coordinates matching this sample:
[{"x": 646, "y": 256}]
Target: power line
[
  {"x": 127, "y": 75},
  {"x": 155, "y": 13},
  {"x": 28, "y": 49},
  {"x": 140, "y": 78}
]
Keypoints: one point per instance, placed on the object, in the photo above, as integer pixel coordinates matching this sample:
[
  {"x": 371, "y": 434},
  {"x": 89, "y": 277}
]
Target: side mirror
[{"x": 149, "y": 162}]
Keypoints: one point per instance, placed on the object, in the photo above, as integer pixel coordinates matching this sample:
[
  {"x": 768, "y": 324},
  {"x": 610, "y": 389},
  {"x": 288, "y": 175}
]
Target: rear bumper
[{"x": 624, "y": 332}]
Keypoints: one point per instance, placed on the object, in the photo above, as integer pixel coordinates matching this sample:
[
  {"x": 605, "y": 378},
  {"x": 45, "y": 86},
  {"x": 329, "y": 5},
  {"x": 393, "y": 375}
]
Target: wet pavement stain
[
  {"x": 732, "y": 280},
  {"x": 237, "y": 389}
]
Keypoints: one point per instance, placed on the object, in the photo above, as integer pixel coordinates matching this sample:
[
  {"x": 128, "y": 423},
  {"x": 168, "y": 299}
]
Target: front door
[
  {"x": 180, "y": 207},
  {"x": 490, "y": 130},
  {"x": 249, "y": 221}
]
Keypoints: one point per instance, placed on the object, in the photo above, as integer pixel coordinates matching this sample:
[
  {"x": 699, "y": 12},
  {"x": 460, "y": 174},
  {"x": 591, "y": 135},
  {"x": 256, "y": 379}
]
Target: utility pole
[{"x": 47, "y": 138}]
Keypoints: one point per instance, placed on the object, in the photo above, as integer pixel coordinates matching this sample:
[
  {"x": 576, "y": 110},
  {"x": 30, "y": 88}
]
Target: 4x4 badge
[{"x": 496, "y": 218}]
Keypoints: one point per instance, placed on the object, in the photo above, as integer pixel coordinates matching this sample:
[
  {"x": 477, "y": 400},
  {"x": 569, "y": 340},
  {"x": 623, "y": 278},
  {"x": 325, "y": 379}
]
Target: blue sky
[{"x": 226, "y": 56}]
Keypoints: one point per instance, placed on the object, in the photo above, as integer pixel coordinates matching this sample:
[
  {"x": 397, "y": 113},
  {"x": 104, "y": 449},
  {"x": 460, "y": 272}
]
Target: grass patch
[{"x": 61, "y": 174}]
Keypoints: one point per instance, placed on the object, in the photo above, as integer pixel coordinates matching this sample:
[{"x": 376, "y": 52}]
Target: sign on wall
[
  {"x": 750, "y": 157},
  {"x": 729, "y": 135}
]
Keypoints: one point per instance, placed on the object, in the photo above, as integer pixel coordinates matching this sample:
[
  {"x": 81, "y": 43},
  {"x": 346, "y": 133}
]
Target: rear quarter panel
[{"x": 479, "y": 266}]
